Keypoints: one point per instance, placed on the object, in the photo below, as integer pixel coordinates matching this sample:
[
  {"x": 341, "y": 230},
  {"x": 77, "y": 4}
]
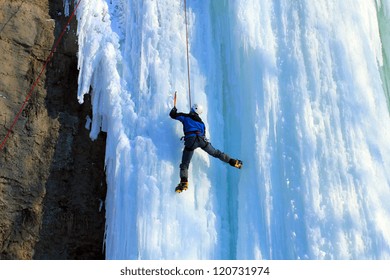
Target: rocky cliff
[{"x": 52, "y": 184}]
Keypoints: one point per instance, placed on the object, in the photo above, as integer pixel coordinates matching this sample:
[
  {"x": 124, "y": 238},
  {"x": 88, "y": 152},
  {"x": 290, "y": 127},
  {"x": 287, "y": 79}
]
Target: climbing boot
[
  {"x": 182, "y": 186},
  {"x": 235, "y": 163}
]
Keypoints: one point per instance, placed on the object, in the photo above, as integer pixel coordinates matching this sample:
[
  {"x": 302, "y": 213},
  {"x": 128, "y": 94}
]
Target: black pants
[{"x": 190, "y": 144}]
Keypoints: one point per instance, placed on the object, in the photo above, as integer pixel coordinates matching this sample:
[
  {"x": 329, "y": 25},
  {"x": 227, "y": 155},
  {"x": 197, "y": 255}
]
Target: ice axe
[{"x": 174, "y": 100}]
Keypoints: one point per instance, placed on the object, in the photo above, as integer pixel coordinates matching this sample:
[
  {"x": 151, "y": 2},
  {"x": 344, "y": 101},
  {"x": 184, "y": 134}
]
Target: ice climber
[{"x": 195, "y": 137}]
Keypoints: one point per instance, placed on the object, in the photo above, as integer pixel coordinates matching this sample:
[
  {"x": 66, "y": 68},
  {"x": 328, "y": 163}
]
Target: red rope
[{"x": 30, "y": 93}]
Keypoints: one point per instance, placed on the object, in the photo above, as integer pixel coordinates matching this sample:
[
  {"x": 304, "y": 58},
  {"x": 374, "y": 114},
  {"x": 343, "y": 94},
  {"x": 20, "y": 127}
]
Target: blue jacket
[{"x": 192, "y": 123}]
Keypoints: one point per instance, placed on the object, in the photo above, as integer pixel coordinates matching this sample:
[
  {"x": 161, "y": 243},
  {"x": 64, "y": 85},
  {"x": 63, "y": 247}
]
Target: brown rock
[{"x": 51, "y": 174}]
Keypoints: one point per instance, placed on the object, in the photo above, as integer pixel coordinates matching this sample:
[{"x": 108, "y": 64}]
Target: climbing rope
[
  {"x": 188, "y": 57},
  {"x": 30, "y": 93}
]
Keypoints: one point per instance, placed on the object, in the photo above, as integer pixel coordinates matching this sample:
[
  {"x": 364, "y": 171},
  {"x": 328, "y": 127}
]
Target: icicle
[{"x": 66, "y": 7}]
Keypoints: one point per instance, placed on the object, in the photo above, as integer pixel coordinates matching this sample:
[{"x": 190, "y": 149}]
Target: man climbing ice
[{"x": 194, "y": 137}]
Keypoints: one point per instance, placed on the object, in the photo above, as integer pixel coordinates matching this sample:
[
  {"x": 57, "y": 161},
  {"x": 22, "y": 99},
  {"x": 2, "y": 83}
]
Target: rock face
[{"x": 52, "y": 182}]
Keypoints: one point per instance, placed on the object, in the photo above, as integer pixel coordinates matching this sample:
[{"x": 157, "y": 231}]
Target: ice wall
[
  {"x": 134, "y": 62},
  {"x": 293, "y": 88}
]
